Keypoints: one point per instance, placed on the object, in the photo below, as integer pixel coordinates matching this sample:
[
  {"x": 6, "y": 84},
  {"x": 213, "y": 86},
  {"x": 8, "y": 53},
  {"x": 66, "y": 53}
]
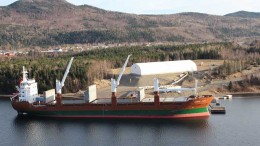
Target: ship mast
[
  {"x": 156, "y": 92},
  {"x": 24, "y": 74},
  {"x": 195, "y": 87}
]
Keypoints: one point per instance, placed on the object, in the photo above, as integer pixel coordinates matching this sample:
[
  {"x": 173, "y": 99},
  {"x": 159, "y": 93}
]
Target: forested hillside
[
  {"x": 95, "y": 64},
  {"x": 28, "y": 23},
  {"x": 245, "y": 14}
]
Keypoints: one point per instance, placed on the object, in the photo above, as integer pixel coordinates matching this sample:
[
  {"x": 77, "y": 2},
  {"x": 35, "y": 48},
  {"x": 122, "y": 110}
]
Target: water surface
[{"x": 239, "y": 126}]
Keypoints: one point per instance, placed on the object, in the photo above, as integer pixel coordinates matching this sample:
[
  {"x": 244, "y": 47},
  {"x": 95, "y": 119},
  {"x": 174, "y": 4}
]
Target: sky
[{"x": 215, "y": 7}]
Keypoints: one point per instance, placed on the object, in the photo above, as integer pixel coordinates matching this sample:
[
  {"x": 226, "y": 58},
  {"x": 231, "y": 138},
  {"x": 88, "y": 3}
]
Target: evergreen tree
[{"x": 230, "y": 86}]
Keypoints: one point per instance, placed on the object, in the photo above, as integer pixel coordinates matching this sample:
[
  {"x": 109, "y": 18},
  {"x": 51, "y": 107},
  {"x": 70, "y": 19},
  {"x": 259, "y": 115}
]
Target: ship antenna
[{"x": 24, "y": 74}]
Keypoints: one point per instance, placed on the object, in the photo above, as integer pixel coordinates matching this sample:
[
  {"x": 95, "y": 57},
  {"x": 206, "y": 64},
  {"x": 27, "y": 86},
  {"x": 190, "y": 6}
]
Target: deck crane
[
  {"x": 59, "y": 84},
  {"x": 179, "y": 89},
  {"x": 114, "y": 82}
]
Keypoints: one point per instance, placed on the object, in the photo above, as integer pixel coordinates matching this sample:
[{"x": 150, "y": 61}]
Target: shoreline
[
  {"x": 245, "y": 93},
  {"x": 239, "y": 94},
  {"x": 5, "y": 96}
]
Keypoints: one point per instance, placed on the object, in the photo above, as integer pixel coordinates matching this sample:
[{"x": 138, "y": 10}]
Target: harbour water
[{"x": 239, "y": 126}]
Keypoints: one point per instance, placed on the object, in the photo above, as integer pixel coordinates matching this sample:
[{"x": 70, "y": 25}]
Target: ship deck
[{"x": 125, "y": 100}]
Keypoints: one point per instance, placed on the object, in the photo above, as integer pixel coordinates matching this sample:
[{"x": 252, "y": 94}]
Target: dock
[
  {"x": 217, "y": 110},
  {"x": 226, "y": 97},
  {"x": 5, "y": 96}
]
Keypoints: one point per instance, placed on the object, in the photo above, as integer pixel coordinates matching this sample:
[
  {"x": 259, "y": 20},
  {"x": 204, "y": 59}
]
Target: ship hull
[
  {"x": 188, "y": 109},
  {"x": 203, "y": 112}
]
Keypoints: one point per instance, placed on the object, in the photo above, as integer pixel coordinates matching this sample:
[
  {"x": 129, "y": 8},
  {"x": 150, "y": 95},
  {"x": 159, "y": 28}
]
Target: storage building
[{"x": 151, "y": 68}]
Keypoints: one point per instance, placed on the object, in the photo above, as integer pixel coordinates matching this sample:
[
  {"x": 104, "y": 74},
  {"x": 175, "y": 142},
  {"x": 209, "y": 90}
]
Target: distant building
[
  {"x": 57, "y": 50},
  {"x": 9, "y": 53}
]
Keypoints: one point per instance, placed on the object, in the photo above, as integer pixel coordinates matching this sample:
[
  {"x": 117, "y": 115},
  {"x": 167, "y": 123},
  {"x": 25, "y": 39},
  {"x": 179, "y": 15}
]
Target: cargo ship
[{"x": 28, "y": 102}]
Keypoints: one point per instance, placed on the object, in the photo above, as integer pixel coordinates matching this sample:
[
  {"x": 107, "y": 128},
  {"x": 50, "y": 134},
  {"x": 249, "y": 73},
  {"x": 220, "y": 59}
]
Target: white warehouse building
[{"x": 151, "y": 68}]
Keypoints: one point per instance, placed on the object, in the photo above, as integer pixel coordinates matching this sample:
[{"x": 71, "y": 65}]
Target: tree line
[{"x": 95, "y": 64}]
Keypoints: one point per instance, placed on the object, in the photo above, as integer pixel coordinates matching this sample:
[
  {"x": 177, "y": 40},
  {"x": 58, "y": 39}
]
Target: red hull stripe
[{"x": 204, "y": 114}]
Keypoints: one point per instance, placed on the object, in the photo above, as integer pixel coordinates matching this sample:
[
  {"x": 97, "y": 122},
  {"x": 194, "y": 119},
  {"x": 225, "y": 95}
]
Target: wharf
[
  {"x": 5, "y": 96},
  {"x": 217, "y": 110}
]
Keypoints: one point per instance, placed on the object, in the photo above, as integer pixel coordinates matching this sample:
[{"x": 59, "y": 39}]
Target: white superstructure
[{"x": 28, "y": 89}]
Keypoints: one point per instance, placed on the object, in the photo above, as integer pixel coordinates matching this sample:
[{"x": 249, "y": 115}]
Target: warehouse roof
[{"x": 151, "y": 68}]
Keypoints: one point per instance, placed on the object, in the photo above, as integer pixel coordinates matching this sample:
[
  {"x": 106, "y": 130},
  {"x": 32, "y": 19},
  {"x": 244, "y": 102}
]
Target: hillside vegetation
[
  {"x": 245, "y": 14},
  {"x": 27, "y": 23},
  {"x": 95, "y": 65}
]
